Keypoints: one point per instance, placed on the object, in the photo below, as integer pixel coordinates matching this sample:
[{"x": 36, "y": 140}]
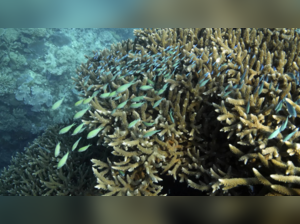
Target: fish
[
  {"x": 90, "y": 87},
  {"x": 113, "y": 94},
  {"x": 158, "y": 102},
  {"x": 66, "y": 129},
  {"x": 150, "y": 82},
  {"x": 57, "y": 104},
  {"x": 94, "y": 133},
  {"x": 122, "y": 105},
  {"x": 148, "y": 124},
  {"x": 171, "y": 116},
  {"x": 243, "y": 76},
  {"x": 248, "y": 107},
  {"x": 136, "y": 105},
  {"x": 138, "y": 98},
  {"x": 163, "y": 89},
  {"x": 105, "y": 95},
  {"x": 116, "y": 98},
  {"x": 261, "y": 87},
  {"x": 57, "y": 149},
  {"x": 84, "y": 148},
  {"x": 77, "y": 130},
  {"x": 291, "y": 109},
  {"x": 290, "y": 135},
  {"x": 150, "y": 133},
  {"x": 145, "y": 88},
  {"x": 124, "y": 87},
  {"x": 79, "y": 102},
  {"x": 79, "y": 114},
  {"x": 133, "y": 123},
  {"x": 62, "y": 161},
  {"x": 95, "y": 93},
  {"x": 284, "y": 124},
  {"x": 75, "y": 144},
  {"x": 279, "y": 106},
  {"x": 121, "y": 173},
  {"x": 87, "y": 100},
  {"x": 203, "y": 83},
  {"x": 291, "y": 75},
  {"x": 275, "y": 133}
]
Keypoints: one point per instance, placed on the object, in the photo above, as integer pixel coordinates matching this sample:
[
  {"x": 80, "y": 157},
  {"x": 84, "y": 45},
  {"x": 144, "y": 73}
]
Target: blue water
[{"x": 36, "y": 66}]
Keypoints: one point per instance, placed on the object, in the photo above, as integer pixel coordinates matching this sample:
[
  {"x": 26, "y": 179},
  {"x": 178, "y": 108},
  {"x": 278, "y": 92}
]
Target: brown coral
[
  {"x": 34, "y": 172},
  {"x": 225, "y": 90}
]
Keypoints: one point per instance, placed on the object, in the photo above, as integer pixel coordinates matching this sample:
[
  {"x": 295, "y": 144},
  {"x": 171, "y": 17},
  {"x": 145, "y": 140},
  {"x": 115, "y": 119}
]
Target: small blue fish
[
  {"x": 226, "y": 94},
  {"x": 66, "y": 129},
  {"x": 171, "y": 116},
  {"x": 291, "y": 75},
  {"x": 145, "y": 87},
  {"x": 284, "y": 125},
  {"x": 57, "y": 149},
  {"x": 261, "y": 88},
  {"x": 94, "y": 132},
  {"x": 248, "y": 107},
  {"x": 62, "y": 161},
  {"x": 133, "y": 123},
  {"x": 149, "y": 134},
  {"x": 275, "y": 133},
  {"x": 75, "y": 144},
  {"x": 279, "y": 106},
  {"x": 57, "y": 104},
  {"x": 136, "y": 105},
  {"x": 122, "y": 105},
  {"x": 226, "y": 87},
  {"x": 203, "y": 83},
  {"x": 290, "y": 135},
  {"x": 158, "y": 102},
  {"x": 148, "y": 124},
  {"x": 270, "y": 86},
  {"x": 138, "y": 98},
  {"x": 125, "y": 87},
  {"x": 291, "y": 109},
  {"x": 262, "y": 67}
]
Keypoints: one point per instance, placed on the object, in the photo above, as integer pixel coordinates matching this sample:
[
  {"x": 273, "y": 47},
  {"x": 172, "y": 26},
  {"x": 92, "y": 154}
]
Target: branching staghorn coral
[
  {"x": 215, "y": 108},
  {"x": 34, "y": 172}
]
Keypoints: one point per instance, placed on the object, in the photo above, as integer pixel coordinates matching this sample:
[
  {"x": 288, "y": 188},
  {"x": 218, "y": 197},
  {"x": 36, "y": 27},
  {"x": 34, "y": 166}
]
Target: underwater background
[
  {"x": 36, "y": 66},
  {"x": 168, "y": 111}
]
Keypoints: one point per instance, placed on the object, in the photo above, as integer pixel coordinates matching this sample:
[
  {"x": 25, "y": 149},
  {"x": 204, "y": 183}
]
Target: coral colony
[{"x": 214, "y": 108}]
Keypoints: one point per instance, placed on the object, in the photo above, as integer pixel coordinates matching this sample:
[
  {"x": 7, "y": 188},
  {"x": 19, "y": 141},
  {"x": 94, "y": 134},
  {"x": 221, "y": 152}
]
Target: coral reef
[
  {"x": 215, "y": 108},
  {"x": 7, "y": 85},
  {"x": 34, "y": 171}
]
